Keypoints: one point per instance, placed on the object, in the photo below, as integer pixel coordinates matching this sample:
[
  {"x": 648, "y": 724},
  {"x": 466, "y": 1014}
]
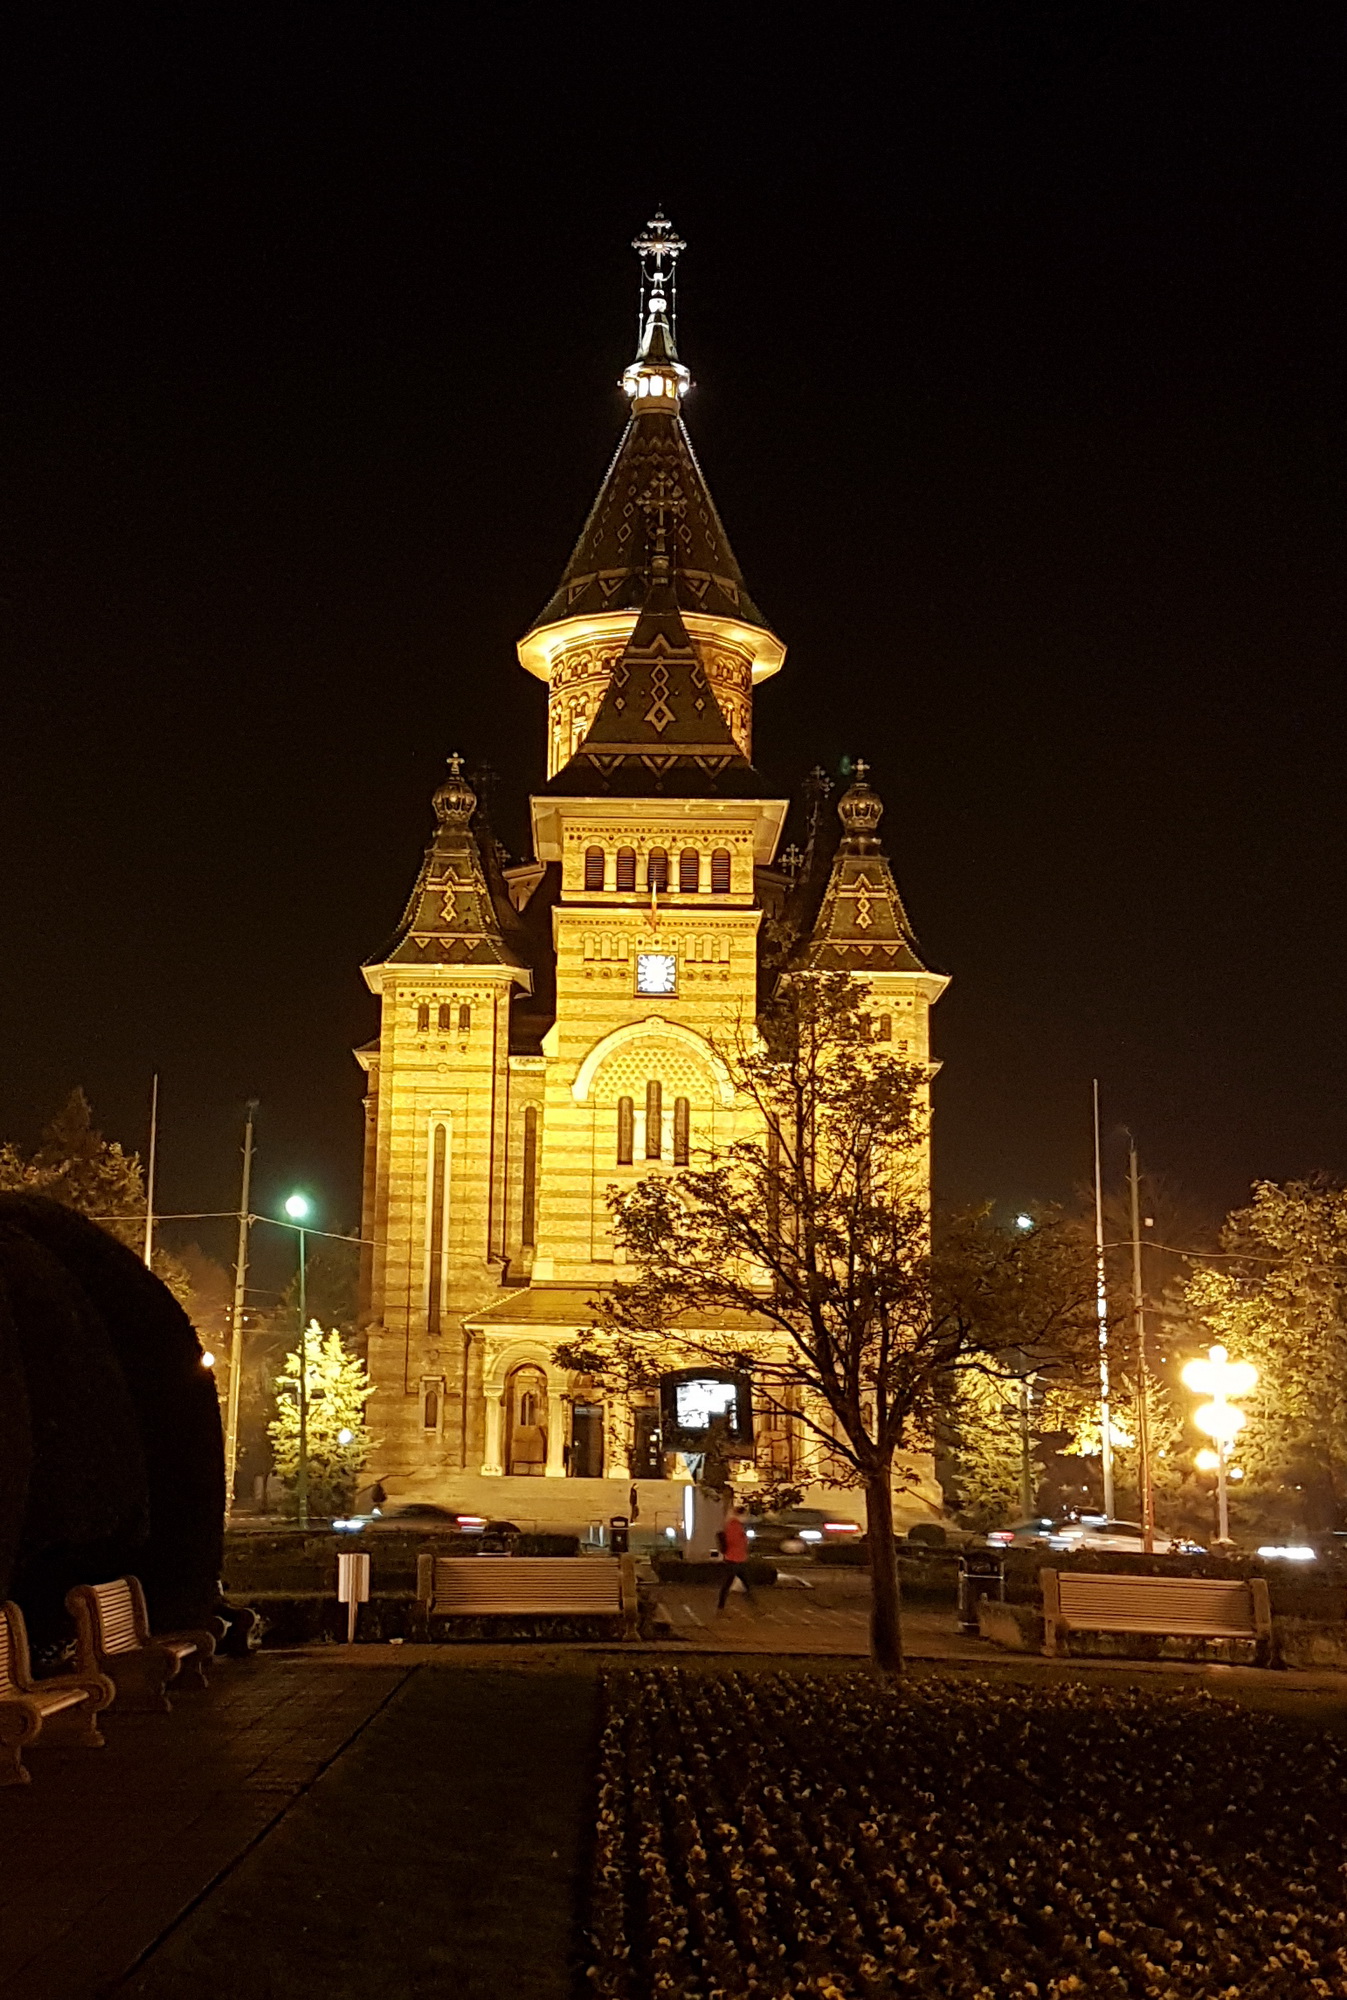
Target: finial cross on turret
[{"x": 659, "y": 242}]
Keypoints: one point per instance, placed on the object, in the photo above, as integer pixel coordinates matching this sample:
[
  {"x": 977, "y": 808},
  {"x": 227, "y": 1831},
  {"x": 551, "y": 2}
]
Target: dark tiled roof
[
  {"x": 659, "y": 727},
  {"x": 861, "y": 924},
  {"x": 450, "y": 918},
  {"x": 611, "y": 562}
]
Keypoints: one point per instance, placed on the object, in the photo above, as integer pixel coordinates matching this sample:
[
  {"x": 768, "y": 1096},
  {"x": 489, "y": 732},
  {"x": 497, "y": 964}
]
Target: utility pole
[
  {"x": 1101, "y": 1306},
  {"x": 1026, "y": 1451},
  {"x": 236, "y": 1318},
  {"x": 302, "y": 1473},
  {"x": 1143, "y": 1373},
  {"x": 149, "y": 1178}
]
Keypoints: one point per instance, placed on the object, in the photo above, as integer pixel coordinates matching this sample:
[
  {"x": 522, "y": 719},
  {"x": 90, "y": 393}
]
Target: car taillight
[
  {"x": 841, "y": 1527},
  {"x": 1004, "y": 1540},
  {"x": 471, "y": 1520}
]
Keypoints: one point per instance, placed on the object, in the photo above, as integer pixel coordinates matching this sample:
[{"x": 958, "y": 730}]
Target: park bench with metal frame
[
  {"x": 528, "y": 1587},
  {"x": 113, "y": 1637},
  {"x": 66, "y": 1706},
  {"x": 1188, "y": 1607}
]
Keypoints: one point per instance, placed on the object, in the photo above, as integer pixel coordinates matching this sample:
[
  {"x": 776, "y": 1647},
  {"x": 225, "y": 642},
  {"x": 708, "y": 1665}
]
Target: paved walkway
[{"x": 400, "y": 1821}]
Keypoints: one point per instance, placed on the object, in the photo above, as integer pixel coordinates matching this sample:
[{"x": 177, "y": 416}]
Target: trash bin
[
  {"x": 982, "y": 1573},
  {"x": 619, "y": 1534}
]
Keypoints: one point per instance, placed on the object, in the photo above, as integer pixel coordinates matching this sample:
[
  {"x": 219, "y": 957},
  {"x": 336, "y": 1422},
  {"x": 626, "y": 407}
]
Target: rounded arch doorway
[{"x": 526, "y": 1421}]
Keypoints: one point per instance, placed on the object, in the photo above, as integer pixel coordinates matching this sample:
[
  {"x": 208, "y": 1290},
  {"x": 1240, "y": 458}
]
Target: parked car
[
  {"x": 796, "y": 1531},
  {"x": 479, "y": 1534}
]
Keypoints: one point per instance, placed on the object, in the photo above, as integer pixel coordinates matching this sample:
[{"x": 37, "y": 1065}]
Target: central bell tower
[{"x": 654, "y": 491}]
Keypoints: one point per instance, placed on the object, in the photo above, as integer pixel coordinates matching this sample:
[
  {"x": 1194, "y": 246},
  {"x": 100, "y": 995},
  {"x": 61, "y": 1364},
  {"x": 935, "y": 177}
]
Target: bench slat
[
  {"x": 509, "y": 1586},
  {"x": 116, "y": 1617},
  {"x": 1190, "y": 1605}
]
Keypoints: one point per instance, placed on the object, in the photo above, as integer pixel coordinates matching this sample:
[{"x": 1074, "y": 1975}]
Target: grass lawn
[{"x": 784, "y": 1835}]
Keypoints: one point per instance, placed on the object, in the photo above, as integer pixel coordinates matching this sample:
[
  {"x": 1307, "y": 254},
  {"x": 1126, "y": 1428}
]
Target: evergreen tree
[{"x": 337, "y": 1387}]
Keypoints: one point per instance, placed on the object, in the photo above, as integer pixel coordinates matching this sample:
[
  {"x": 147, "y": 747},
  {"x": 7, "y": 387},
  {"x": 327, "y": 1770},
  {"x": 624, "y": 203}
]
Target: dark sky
[{"x": 1018, "y": 341}]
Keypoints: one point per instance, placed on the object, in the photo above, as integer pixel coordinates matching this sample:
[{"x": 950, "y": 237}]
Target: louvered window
[
  {"x": 626, "y": 868},
  {"x": 689, "y": 872},
  {"x": 593, "y": 867},
  {"x": 423, "y": 1018},
  {"x": 465, "y": 1019},
  {"x": 720, "y": 872},
  {"x": 657, "y": 869},
  {"x": 446, "y": 1017}
]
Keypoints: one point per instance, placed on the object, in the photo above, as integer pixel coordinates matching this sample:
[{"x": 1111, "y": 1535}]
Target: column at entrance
[
  {"x": 491, "y": 1465},
  {"x": 557, "y": 1417}
]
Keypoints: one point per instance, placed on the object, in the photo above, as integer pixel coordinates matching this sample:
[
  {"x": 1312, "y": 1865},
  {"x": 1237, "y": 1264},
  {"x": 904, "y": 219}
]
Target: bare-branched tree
[{"x": 802, "y": 1254}]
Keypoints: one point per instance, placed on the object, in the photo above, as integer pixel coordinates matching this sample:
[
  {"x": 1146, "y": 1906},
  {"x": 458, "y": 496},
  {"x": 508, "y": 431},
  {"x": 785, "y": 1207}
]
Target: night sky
[{"x": 1017, "y": 335}]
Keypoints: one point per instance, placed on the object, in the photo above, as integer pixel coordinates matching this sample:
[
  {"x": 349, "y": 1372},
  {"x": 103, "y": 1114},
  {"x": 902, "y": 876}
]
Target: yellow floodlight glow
[
  {"x": 1219, "y": 1377},
  {"x": 1208, "y": 1460}
]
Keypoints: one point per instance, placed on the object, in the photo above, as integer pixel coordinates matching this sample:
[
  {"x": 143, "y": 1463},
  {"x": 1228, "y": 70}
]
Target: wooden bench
[
  {"x": 69, "y": 1703},
  {"x": 1189, "y": 1607},
  {"x": 114, "y": 1638},
  {"x": 528, "y": 1587}
]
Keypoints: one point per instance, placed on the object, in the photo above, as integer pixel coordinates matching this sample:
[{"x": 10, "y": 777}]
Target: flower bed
[{"x": 780, "y": 1836}]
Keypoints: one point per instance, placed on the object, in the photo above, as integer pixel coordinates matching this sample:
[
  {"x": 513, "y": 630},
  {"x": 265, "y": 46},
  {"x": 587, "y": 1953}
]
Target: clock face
[{"x": 656, "y": 972}]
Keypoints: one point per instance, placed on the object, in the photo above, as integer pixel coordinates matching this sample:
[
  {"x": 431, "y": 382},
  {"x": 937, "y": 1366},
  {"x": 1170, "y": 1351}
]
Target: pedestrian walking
[{"x": 734, "y": 1546}]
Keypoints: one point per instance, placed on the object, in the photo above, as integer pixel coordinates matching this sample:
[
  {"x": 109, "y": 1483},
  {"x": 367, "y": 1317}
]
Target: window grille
[{"x": 654, "y": 1119}]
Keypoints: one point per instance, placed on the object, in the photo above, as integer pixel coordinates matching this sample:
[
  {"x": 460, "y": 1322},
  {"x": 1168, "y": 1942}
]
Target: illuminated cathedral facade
[{"x": 547, "y": 1028}]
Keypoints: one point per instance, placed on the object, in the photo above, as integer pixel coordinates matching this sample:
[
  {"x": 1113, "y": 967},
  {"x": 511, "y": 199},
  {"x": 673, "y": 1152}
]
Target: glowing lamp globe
[
  {"x": 1221, "y": 1421},
  {"x": 1208, "y": 1460},
  {"x": 344, "y": 1436},
  {"x": 297, "y": 1207}
]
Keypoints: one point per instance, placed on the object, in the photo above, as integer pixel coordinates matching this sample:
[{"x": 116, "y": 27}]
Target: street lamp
[
  {"x": 1221, "y": 1379},
  {"x": 298, "y": 1207}
]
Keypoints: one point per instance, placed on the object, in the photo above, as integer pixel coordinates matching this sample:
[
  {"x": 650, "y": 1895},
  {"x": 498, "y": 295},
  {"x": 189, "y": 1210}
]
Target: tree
[
  {"x": 75, "y": 1165},
  {"x": 802, "y": 1255},
  {"x": 1278, "y": 1298},
  {"x": 337, "y": 1387}
]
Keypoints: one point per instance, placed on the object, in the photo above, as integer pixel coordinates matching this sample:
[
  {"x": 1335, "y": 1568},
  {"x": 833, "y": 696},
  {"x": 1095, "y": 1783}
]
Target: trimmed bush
[
  {"x": 673, "y": 1569},
  {"x": 120, "y": 1435}
]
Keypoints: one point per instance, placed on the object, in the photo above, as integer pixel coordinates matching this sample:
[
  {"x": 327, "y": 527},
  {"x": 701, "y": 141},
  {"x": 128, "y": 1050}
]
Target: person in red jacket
[{"x": 734, "y": 1543}]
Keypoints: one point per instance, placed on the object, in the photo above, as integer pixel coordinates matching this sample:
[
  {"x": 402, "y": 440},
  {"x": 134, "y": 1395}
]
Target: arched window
[
  {"x": 682, "y": 1131},
  {"x": 446, "y": 1017},
  {"x": 528, "y": 1233},
  {"x": 720, "y": 872},
  {"x": 593, "y": 867},
  {"x": 654, "y": 1119},
  {"x": 430, "y": 1403},
  {"x": 626, "y": 867},
  {"x": 884, "y": 1029},
  {"x": 626, "y": 1131},
  {"x": 657, "y": 869},
  {"x": 689, "y": 872},
  {"x": 465, "y": 1019},
  {"x": 423, "y": 1018}
]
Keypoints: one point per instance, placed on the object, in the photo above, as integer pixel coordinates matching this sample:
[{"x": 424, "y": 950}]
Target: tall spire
[
  {"x": 657, "y": 373},
  {"x": 610, "y": 567}
]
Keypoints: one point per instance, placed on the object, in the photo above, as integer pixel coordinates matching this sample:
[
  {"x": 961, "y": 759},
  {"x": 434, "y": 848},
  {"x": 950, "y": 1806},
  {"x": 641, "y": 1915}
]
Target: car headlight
[{"x": 811, "y": 1534}]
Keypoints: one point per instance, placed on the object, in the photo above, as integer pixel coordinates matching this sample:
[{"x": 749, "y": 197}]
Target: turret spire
[{"x": 657, "y": 379}]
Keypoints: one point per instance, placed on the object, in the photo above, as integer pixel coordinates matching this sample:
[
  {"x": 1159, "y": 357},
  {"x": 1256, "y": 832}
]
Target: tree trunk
[{"x": 886, "y": 1637}]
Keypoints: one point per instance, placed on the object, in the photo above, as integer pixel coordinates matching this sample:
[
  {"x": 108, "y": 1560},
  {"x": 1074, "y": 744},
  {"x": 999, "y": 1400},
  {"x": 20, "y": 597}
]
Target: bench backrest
[
  {"x": 1187, "y": 1604},
  {"x": 522, "y": 1585},
  {"x": 8, "y": 1665},
  {"x": 115, "y": 1610}
]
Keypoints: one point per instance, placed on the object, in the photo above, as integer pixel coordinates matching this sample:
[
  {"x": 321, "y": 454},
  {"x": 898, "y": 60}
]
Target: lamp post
[
  {"x": 298, "y": 1208},
  {"x": 1221, "y": 1379}
]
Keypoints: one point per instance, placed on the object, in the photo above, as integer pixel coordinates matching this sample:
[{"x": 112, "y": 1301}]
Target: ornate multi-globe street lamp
[{"x": 1223, "y": 1381}]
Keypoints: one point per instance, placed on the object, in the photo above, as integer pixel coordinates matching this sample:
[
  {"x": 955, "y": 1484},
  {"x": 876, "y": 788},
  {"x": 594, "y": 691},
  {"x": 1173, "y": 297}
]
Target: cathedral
[{"x": 547, "y": 1026}]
